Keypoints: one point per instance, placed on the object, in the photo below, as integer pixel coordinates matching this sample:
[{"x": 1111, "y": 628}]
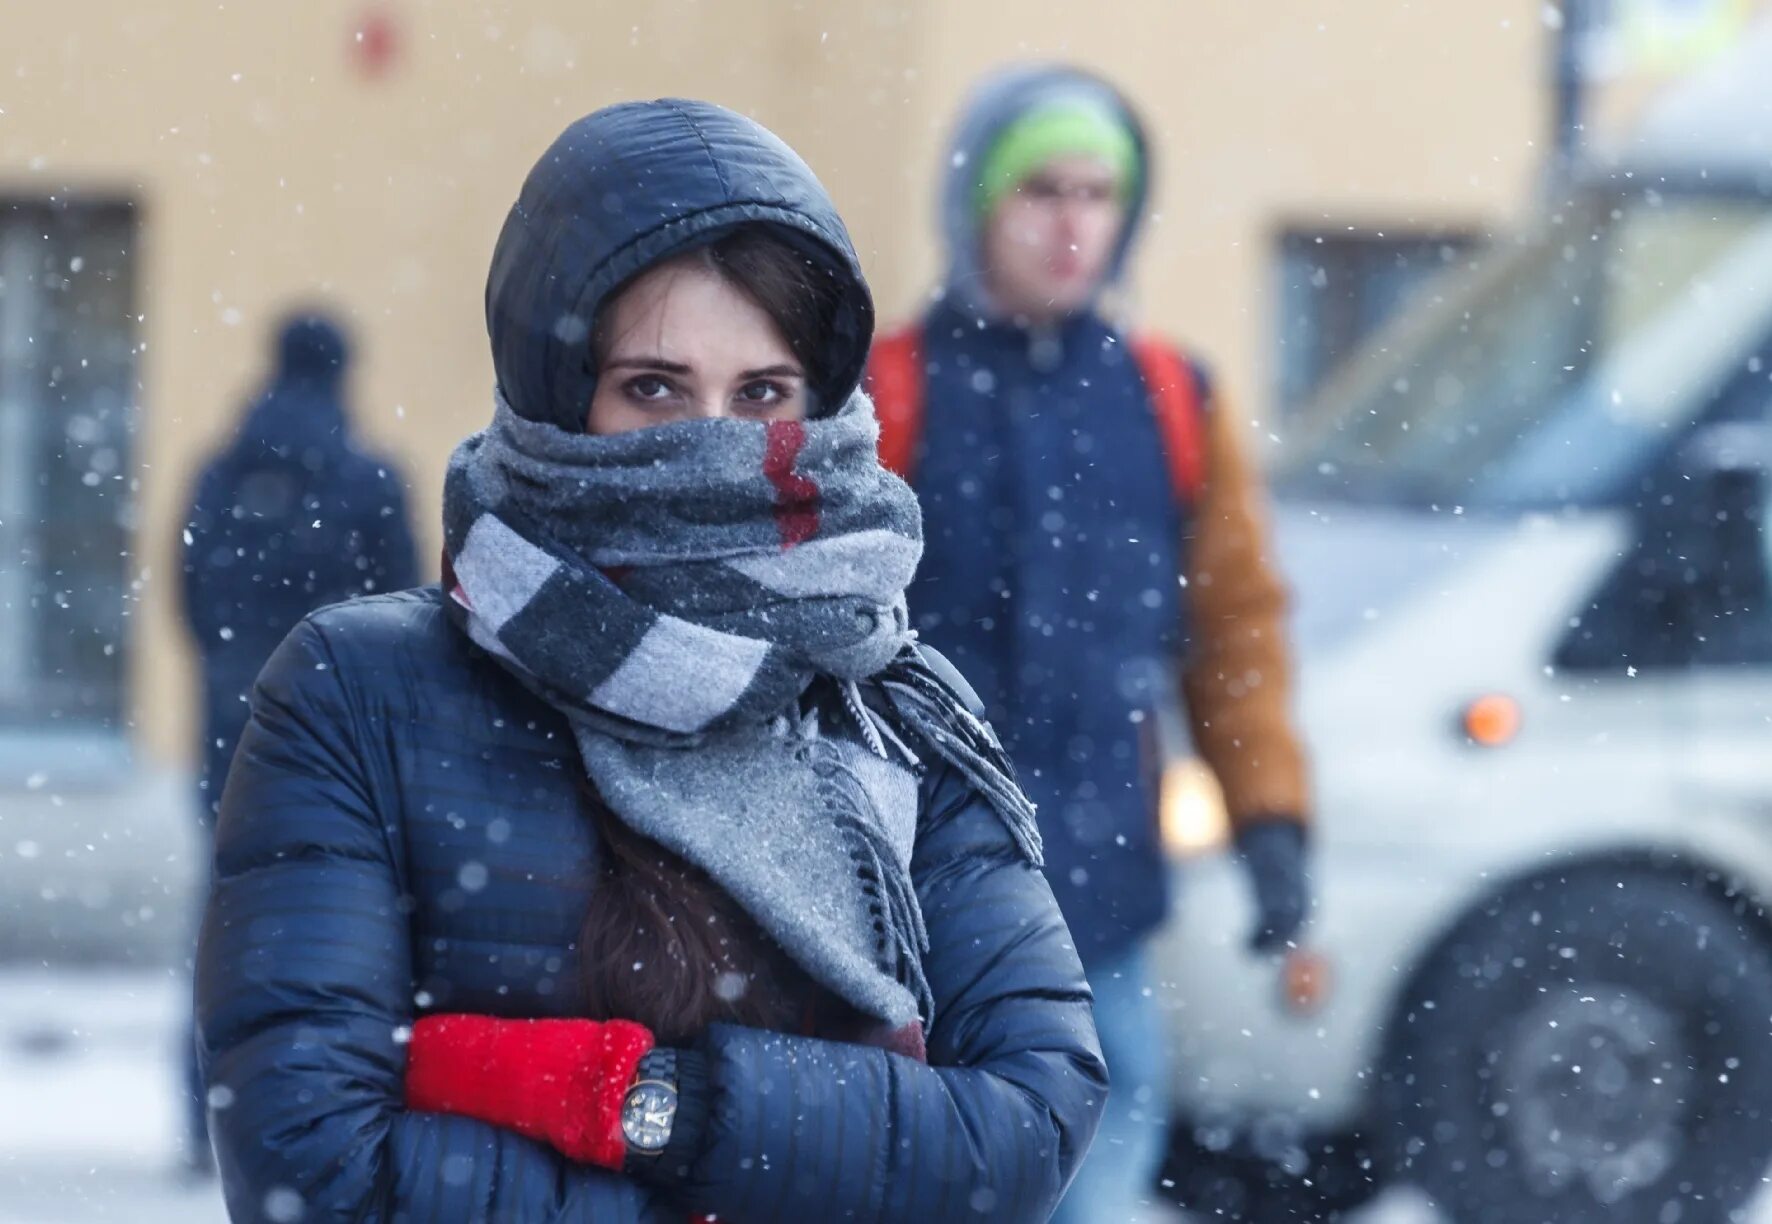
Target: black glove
[{"x": 1273, "y": 851}]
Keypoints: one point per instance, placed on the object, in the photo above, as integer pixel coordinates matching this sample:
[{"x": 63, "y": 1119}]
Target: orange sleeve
[{"x": 1237, "y": 676}]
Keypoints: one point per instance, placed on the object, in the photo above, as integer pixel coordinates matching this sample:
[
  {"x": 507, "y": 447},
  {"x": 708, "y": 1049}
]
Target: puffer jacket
[{"x": 403, "y": 833}]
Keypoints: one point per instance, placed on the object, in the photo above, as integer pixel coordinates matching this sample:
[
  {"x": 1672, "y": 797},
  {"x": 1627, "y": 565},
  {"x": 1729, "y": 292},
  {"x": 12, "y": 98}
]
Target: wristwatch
[{"x": 649, "y": 1111}]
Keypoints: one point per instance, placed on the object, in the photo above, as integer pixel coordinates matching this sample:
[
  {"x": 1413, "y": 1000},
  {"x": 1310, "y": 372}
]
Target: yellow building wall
[{"x": 271, "y": 170}]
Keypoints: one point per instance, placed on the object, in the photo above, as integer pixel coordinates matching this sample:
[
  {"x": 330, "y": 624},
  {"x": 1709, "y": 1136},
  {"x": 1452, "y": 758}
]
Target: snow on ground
[{"x": 89, "y": 1121}]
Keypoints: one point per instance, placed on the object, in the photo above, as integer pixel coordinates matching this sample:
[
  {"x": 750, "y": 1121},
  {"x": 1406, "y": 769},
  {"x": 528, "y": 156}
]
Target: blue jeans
[{"x": 1120, "y": 1171}]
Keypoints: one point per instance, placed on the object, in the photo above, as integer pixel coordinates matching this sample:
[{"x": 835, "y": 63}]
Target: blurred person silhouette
[
  {"x": 1095, "y": 543},
  {"x": 290, "y": 516}
]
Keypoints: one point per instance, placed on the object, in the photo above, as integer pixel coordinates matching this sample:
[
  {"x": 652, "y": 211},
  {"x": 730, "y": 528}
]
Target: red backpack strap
[
  {"x": 895, "y": 379},
  {"x": 1175, "y": 399}
]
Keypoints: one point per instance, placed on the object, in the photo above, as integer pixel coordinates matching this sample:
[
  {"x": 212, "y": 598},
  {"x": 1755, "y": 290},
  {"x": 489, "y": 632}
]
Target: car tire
[{"x": 1589, "y": 1045}]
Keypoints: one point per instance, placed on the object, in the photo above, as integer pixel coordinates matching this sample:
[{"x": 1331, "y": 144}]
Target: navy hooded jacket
[
  {"x": 292, "y": 516},
  {"x": 1054, "y": 543},
  {"x": 403, "y": 832}
]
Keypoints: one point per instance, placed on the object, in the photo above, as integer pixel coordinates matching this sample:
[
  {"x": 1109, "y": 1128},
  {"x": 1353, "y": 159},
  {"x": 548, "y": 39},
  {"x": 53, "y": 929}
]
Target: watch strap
[
  {"x": 657, "y": 1066},
  {"x": 688, "y": 1071}
]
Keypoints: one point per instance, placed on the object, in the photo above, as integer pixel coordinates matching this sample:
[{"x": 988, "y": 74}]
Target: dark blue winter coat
[
  {"x": 404, "y": 832},
  {"x": 1055, "y": 544},
  {"x": 292, "y": 516}
]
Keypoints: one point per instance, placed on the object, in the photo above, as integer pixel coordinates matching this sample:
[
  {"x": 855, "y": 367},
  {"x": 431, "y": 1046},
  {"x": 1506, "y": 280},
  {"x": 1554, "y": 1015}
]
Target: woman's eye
[
  {"x": 648, "y": 387},
  {"x": 762, "y": 393}
]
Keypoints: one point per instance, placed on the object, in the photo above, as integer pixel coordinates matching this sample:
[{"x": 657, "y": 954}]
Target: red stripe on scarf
[{"x": 796, "y": 496}]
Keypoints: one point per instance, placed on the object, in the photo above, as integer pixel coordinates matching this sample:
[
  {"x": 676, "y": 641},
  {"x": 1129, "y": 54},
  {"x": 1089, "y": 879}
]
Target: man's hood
[{"x": 994, "y": 104}]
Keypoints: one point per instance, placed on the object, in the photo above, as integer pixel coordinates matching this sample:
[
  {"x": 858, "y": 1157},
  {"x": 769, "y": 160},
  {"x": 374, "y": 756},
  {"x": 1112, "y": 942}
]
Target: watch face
[{"x": 647, "y": 1114}]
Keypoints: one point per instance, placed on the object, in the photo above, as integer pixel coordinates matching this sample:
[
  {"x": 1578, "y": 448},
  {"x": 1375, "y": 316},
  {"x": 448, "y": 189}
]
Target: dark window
[
  {"x": 1694, "y": 589},
  {"x": 67, "y": 484}
]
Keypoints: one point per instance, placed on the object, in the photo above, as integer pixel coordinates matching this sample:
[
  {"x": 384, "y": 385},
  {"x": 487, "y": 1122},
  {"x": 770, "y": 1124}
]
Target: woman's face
[{"x": 685, "y": 344}]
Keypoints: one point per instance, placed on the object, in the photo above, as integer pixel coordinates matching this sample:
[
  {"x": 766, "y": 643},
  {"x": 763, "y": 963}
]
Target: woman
[{"x": 685, "y": 880}]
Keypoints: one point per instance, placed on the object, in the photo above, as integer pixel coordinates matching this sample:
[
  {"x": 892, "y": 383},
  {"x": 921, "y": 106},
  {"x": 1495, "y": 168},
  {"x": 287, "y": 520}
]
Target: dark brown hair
[
  {"x": 800, "y": 293},
  {"x": 666, "y": 947},
  {"x": 663, "y": 945}
]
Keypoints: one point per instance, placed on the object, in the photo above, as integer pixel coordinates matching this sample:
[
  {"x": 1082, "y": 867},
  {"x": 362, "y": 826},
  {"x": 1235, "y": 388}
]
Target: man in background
[
  {"x": 1094, "y": 543},
  {"x": 290, "y": 516}
]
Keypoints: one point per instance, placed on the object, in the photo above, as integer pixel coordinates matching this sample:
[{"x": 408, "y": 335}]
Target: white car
[{"x": 1528, "y": 533}]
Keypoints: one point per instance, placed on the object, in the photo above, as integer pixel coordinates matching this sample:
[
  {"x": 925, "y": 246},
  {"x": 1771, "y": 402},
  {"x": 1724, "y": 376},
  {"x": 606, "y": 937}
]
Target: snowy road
[
  {"x": 89, "y": 1128},
  {"x": 88, "y": 1117}
]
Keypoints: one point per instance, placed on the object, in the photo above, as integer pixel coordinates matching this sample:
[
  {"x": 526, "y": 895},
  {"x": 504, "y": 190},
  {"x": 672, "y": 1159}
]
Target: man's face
[{"x": 1048, "y": 243}]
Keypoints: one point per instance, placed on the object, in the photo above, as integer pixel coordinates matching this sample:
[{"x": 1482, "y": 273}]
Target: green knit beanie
[{"x": 1057, "y": 129}]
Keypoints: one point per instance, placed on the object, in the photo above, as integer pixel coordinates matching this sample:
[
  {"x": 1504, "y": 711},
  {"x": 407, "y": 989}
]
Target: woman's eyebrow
[
  {"x": 775, "y": 371},
  {"x": 647, "y": 363}
]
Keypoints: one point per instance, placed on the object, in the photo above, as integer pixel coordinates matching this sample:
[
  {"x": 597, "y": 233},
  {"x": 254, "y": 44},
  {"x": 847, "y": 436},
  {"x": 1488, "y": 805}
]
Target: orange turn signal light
[{"x": 1491, "y": 721}]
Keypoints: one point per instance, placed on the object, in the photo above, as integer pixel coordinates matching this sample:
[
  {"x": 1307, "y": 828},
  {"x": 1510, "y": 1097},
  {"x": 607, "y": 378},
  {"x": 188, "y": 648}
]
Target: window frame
[{"x": 70, "y": 410}]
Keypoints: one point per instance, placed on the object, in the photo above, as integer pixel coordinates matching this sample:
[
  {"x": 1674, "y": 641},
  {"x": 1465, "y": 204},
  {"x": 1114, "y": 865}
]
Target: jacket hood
[
  {"x": 994, "y": 104},
  {"x": 312, "y": 349},
  {"x": 628, "y": 187},
  {"x": 299, "y": 417}
]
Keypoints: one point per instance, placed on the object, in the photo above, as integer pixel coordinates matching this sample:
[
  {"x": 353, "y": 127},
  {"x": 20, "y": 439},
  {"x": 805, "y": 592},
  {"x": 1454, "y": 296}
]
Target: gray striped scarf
[{"x": 718, "y": 608}]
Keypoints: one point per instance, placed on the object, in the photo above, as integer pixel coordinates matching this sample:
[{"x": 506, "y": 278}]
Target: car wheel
[{"x": 1587, "y": 1046}]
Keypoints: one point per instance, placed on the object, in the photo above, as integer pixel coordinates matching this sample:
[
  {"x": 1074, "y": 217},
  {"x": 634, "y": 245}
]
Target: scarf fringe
[
  {"x": 937, "y": 716},
  {"x": 902, "y": 936}
]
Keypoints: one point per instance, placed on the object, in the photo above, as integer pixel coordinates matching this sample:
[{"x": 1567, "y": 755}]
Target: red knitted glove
[{"x": 559, "y": 1081}]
